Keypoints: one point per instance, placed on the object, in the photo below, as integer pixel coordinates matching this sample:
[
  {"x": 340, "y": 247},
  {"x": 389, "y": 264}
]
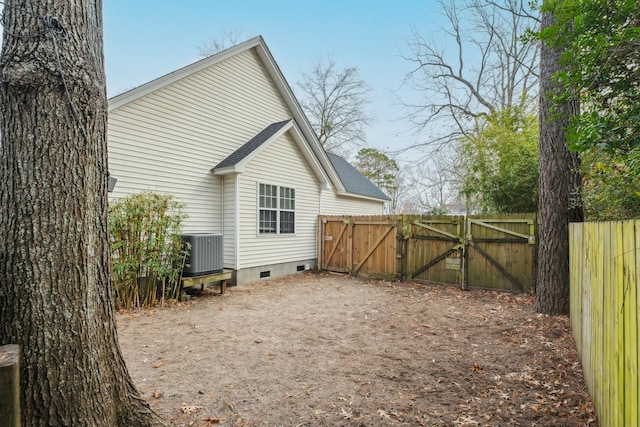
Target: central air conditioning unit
[{"x": 205, "y": 255}]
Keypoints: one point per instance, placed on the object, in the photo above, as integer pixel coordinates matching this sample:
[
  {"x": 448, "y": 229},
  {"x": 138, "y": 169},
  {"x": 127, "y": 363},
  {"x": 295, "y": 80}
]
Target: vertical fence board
[
  {"x": 575, "y": 260},
  {"x": 601, "y": 338},
  {"x": 587, "y": 303},
  {"x": 605, "y": 260},
  {"x": 608, "y": 340},
  {"x": 634, "y": 312},
  {"x": 619, "y": 411}
]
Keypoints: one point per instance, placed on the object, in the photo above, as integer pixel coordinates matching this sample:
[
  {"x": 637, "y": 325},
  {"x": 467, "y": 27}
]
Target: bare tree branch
[
  {"x": 491, "y": 68},
  {"x": 432, "y": 184},
  {"x": 519, "y": 9},
  {"x": 335, "y": 103},
  {"x": 227, "y": 39}
]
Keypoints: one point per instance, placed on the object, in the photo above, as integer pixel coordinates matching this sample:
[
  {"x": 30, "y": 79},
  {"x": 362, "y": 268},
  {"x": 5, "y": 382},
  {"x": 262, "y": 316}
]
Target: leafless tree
[
  {"x": 396, "y": 196},
  {"x": 335, "y": 102},
  {"x": 484, "y": 64},
  {"x": 433, "y": 183},
  {"x": 227, "y": 39}
]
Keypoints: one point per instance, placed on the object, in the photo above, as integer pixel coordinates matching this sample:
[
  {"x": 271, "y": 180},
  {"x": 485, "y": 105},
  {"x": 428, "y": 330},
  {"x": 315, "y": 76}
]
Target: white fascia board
[
  {"x": 310, "y": 156},
  {"x": 231, "y": 170},
  {"x": 299, "y": 116},
  {"x": 154, "y": 85},
  {"x": 326, "y": 186},
  {"x": 241, "y": 165},
  {"x": 359, "y": 196},
  {"x": 304, "y": 148}
]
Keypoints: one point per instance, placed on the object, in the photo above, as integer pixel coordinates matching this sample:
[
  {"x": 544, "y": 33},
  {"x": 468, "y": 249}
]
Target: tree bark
[
  {"x": 56, "y": 300},
  {"x": 560, "y": 187}
]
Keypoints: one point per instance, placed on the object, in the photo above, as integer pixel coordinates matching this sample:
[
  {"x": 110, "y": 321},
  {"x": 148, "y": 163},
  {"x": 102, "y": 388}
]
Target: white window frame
[{"x": 266, "y": 201}]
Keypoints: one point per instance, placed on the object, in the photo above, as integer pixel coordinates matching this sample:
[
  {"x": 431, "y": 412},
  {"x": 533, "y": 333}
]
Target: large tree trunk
[
  {"x": 560, "y": 188},
  {"x": 56, "y": 300}
]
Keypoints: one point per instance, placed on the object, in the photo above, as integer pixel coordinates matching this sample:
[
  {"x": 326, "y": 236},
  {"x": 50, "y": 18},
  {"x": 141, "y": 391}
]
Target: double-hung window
[{"x": 277, "y": 209}]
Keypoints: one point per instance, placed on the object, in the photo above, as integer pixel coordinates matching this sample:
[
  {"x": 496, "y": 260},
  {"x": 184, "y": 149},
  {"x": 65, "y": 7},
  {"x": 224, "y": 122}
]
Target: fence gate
[
  {"x": 501, "y": 252},
  {"x": 359, "y": 245},
  {"x": 496, "y": 252},
  {"x": 434, "y": 249}
]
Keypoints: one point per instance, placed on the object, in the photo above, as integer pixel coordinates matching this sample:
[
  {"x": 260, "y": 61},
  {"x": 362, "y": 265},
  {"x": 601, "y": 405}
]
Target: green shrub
[
  {"x": 611, "y": 185},
  {"x": 147, "y": 255}
]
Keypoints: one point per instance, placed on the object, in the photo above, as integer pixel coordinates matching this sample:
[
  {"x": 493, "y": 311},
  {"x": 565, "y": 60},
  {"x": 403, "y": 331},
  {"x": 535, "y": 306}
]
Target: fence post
[
  {"x": 10, "y": 385},
  {"x": 405, "y": 230}
]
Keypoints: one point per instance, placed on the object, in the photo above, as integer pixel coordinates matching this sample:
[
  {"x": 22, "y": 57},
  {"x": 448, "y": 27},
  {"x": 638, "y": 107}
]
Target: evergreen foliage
[
  {"x": 501, "y": 163},
  {"x": 601, "y": 67},
  {"x": 379, "y": 168}
]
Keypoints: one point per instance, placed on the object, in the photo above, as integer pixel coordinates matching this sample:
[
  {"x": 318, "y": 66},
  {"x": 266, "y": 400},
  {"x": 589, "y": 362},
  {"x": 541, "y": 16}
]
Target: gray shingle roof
[
  {"x": 254, "y": 143},
  {"x": 353, "y": 180}
]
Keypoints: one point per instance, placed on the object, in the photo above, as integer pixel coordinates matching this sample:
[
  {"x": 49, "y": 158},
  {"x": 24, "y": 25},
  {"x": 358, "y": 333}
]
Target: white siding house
[{"x": 226, "y": 137}]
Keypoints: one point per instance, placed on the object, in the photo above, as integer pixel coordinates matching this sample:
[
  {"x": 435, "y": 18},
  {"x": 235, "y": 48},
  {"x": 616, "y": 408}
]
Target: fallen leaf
[
  {"x": 157, "y": 394},
  {"x": 215, "y": 420},
  {"x": 383, "y": 414},
  {"x": 190, "y": 409},
  {"x": 346, "y": 414},
  {"x": 475, "y": 367},
  {"x": 465, "y": 420}
]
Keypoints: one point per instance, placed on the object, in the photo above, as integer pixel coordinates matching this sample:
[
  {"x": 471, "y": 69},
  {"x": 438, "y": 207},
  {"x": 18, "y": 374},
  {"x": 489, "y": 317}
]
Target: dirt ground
[{"x": 320, "y": 349}]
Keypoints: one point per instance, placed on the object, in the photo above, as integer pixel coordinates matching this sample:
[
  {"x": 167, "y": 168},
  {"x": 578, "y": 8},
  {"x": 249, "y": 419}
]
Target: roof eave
[
  {"x": 298, "y": 138},
  {"x": 301, "y": 120},
  {"x": 361, "y": 196},
  {"x": 230, "y": 170},
  {"x": 310, "y": 156}
]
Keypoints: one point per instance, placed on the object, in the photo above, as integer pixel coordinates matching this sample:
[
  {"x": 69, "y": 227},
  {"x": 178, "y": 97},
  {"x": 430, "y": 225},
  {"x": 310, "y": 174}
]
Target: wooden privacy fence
[
  {"x": 496, "y": 252},
  {"x": 605, "y": 262}
]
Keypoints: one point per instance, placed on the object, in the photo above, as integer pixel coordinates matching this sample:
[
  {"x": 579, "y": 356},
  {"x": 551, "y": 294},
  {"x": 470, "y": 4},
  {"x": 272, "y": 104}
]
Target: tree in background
[
  {"x": 560, "y": 183},
  {"x": 56, "y": 300},
  {"x": 484, "y": 65},
  {"x": 396, "y": 196},
  {"x": 227, "y": 39},
  {"x": 433, "y": 184},
  {"x": 335, "y": 100},
  {"x": 453, "y": 91},
  {"x": 501, "y": 163},
  {"x": 382, "y": 170}
]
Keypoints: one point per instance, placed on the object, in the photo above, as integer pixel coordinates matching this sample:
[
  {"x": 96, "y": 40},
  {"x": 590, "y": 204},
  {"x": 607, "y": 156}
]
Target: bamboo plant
[{"x": 147, "y": 254}]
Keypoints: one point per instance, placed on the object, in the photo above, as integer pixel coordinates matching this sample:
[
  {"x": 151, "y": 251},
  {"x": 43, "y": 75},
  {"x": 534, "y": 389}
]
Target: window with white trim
[{"x": 276, "y": 207}]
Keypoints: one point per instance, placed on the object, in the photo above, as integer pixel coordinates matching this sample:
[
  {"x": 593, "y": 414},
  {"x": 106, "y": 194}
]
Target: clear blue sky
[{"x": 145, "y": 39}]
